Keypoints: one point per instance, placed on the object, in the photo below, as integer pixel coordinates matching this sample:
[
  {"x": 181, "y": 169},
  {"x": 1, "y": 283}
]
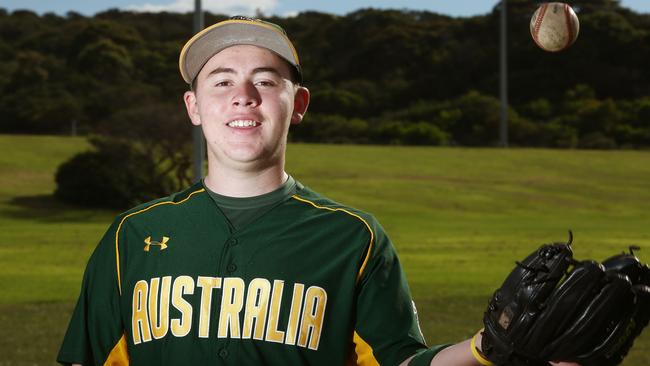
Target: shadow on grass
[
  {"x": 38, "y": 330},
  {"x": 47, "y": 208}
]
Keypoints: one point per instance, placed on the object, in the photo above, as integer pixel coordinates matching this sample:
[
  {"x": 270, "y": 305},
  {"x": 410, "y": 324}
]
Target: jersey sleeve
[
  {"x": 95, "y": 332},
  {"x": 387, "y": 331}
]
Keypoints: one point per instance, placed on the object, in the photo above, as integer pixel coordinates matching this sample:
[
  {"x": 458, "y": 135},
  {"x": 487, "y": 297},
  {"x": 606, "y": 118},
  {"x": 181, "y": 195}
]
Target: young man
[{"x": 248, "y": 267}]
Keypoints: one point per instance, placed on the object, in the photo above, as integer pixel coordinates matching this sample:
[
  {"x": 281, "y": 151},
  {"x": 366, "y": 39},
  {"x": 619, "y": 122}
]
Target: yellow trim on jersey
[
  {"x": 117, "y": 232},
  {"x": 119, "y": 355},
  {"x": 372, "y": 234},
  {"x": 363, "y": 352}
]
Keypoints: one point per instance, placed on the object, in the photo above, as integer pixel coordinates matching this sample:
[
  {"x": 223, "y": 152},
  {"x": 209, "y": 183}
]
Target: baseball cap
[{"x": 237, "y": 30}]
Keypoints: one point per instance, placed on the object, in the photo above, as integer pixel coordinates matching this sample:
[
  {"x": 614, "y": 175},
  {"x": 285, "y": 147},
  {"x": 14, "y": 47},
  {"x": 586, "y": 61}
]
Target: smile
[{"x": 243, "y": 123}]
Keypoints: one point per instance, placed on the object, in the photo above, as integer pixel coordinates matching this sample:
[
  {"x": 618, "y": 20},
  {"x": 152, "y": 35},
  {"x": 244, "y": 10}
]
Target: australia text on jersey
[{"x": 261, "y": 303}]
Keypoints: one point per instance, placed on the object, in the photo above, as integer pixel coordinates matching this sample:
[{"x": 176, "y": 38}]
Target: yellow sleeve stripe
[
  {"x": 372, "y": 235},
  {"x": 363, "y": 352},
  {"x": 117, "y": 232},
  {"x": 119, "y": 355}
]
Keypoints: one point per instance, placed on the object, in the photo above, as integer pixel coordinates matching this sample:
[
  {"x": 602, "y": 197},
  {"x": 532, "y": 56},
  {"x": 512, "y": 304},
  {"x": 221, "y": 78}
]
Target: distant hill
[{"x": 376, "y": 76}]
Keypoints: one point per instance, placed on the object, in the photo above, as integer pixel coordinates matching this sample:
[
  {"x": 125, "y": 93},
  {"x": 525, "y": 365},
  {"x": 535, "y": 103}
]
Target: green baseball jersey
[{"x": 309, "y": 282}]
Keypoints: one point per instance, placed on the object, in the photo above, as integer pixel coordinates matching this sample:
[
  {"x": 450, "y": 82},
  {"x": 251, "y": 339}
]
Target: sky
[{"x": 457, "y": 8}]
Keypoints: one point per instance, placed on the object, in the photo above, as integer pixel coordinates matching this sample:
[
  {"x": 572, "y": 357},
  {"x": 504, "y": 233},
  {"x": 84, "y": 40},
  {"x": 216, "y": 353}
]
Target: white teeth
[{"x": 242, "y": 123}]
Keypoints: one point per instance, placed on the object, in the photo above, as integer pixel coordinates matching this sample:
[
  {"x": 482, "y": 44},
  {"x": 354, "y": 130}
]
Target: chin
[
  {"x": 244, "y": 152},
  {"x": 246, "y": 156}
]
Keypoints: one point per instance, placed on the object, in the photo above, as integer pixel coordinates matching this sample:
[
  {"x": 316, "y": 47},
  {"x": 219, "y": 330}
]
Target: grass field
[{"x": 458, "y": 217}]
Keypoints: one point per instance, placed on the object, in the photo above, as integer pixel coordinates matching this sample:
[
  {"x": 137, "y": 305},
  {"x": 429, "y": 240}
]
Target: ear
[
  {"x": 192, "y": 106},
  {"x": 300, "y": 104}
]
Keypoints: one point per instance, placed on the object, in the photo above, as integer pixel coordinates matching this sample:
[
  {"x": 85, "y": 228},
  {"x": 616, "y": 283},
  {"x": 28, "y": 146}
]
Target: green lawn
[{"x": 458, "y": 217}]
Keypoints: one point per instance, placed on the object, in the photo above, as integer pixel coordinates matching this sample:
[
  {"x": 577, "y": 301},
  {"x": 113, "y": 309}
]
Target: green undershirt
[{"x": 241, "y": 211}]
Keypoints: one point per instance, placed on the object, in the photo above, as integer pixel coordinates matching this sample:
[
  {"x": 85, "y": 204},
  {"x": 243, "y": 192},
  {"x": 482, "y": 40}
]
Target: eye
[
  {"x": 222, "y": 83},
  {"x": 265, "y": 83}
]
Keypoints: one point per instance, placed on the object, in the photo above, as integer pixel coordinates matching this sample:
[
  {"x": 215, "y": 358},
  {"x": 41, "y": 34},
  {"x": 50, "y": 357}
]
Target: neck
[{"x": 245, "y": 183}]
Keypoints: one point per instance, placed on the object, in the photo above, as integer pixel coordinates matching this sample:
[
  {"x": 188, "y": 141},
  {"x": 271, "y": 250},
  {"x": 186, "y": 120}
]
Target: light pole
[
  {"x": 503, "y": 84},
  {"x": 198, "y": 142}
]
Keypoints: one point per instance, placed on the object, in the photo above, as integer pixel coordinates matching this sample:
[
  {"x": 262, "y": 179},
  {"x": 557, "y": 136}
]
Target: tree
[
  {"x": 114, "y": 176},
  {"x": 161, "y": 132},
  {"x": 105, "y": 60},
  {"x": 142, "y": 153},
  {"x": 387, "y": 68}
]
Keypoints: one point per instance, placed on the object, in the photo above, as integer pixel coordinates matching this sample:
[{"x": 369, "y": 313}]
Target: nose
[{"x": 246, "y": 95}]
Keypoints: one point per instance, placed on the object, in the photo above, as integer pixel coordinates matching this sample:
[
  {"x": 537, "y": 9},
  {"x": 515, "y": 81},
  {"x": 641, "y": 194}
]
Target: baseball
[{"x": 554, "y": 26}]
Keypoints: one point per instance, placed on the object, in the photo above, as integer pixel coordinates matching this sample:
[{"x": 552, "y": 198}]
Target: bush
[
  {"x": 478, "y": 122},
  {"x": 596, "y": 140},
  {"x": 404, "y": 133},
  {"x": 331, "y": 129},
  {"x": 116, "y": 178}
]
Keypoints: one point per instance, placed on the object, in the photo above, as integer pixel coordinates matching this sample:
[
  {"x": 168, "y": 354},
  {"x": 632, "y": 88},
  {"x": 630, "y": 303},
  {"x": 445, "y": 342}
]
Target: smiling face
[{"x": 245, "y": 101}]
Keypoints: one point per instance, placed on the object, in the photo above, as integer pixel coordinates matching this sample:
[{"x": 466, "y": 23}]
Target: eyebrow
[{"x": 257, "y": 70}]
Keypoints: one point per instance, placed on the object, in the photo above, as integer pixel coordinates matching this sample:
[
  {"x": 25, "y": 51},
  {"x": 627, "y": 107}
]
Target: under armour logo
[{"x": 148, "y": 243}]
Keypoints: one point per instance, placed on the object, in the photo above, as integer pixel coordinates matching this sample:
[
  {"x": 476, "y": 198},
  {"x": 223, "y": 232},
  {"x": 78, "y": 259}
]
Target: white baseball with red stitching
[{"x": 554, "y": 26}]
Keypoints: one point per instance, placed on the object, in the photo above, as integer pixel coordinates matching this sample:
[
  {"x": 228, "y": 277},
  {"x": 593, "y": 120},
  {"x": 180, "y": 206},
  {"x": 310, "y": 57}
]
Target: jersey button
[
  {"x": 223, "y": 353},
  {"x": 232, "y": 241},
  {"x": 232, "y": 267}
]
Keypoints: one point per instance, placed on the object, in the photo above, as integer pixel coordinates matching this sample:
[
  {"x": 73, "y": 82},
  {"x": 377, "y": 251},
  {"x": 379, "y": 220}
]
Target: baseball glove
[{"x": 552, "y": 307}]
